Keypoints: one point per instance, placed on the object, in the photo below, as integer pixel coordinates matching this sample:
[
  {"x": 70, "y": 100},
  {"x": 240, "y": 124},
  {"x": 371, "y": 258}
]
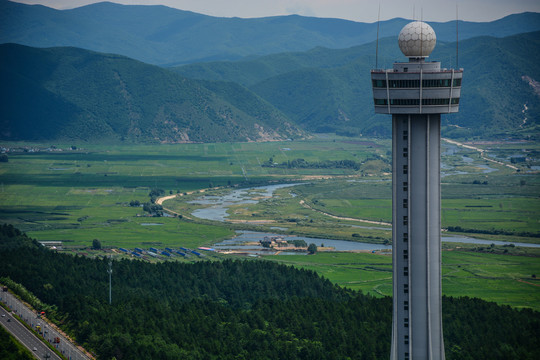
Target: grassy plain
[
  {"x": 83, "y": 194},
  {"x": 504, "y": 279}
]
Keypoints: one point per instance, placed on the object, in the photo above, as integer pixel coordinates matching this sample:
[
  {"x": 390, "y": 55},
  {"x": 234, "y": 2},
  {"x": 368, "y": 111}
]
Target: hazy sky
[{"x": 357, "y": 10}]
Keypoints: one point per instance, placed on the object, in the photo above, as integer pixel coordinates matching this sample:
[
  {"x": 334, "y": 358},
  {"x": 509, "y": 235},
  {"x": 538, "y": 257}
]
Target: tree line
[
  {"x": 303, "y": 164},
  {"x": 239, "y": 309},
  {"x": 458, "y": 228}
]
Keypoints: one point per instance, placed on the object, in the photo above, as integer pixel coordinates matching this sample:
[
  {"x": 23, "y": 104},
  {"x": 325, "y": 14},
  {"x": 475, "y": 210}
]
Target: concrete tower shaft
[
  {"x": 416, "y": 93},
  {"x": 416, "y": 249}
]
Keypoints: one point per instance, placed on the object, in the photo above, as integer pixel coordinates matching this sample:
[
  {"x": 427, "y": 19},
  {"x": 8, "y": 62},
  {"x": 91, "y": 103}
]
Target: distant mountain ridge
[
  {"x": 167, "y": 36},
  {"x": 70, "y": 93}
]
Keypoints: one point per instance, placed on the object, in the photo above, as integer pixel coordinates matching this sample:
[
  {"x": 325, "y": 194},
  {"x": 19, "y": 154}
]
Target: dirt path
[
  {"x": 481, "y": 151},
  {"x": 160, "y": 201},
  {"x": 528, "y": 282},
  {"x": 303, "y": 203}
]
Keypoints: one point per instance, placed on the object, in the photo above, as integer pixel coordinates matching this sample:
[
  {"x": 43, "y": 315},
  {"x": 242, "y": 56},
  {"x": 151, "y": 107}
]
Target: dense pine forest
[{"x": 239, "y": 309}]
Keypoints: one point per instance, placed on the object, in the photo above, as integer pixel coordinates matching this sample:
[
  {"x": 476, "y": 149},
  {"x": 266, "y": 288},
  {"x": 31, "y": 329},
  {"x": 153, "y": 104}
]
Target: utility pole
[{"x": 110, "y": 280}]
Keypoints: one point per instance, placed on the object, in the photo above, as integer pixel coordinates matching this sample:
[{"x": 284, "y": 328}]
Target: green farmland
[
  {"x": 77, "y": 195},
  {"x": 504, "y": 279}
]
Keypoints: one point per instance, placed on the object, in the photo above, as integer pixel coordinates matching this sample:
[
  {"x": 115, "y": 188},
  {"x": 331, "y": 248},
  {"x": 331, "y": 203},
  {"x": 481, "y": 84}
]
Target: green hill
[
  {"x": 330, "y": 90},
  {"x": 69, "y": 93},
  {"x": 162, "y": 35}
]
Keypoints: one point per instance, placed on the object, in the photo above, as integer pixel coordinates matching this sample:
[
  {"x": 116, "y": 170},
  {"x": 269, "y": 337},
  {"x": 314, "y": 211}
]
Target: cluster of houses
[{"x": 276, "y": 242}]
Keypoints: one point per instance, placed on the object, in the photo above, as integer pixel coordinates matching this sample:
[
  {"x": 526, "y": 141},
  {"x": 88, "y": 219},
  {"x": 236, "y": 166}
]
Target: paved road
[
  {"x": 25, "y": 336},
  {"x": 69, "y": 350}
]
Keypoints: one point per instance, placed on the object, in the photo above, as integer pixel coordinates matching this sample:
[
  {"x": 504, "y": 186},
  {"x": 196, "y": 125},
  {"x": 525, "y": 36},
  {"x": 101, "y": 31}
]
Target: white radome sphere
[{"x": 417, "y": 39}]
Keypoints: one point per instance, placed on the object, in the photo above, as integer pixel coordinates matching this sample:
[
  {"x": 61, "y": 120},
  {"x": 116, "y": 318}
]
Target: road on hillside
[
  {"x": 69, "y": 350},
  {"x": 26, "y": 337}
]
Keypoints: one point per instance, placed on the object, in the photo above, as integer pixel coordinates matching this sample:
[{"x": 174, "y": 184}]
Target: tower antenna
[
  {"x": 109, "y": 271},
  {"x": 377, "y": 42},
  {"x": 457, "y": 38},
  {"x": 421, "y": 33}
]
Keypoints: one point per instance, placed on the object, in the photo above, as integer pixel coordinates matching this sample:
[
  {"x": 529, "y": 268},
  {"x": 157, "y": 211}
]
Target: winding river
[{"x": 220, "y": 204}]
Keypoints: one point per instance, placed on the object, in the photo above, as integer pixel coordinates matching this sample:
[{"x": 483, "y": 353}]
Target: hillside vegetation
[
  {"x": 327, "y": 90},
  {"x": 70, "y": 93},
  {"x": 240, "y": 310},
  {"x": 162, "y": 35}
]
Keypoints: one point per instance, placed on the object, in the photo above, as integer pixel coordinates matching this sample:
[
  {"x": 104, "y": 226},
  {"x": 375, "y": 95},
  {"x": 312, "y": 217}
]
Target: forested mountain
[
  {"x": 162, "y": 35},
  {"x": 249, "y": 309},
  {"x": 70, "y": 93},
  {"x": 330, "y": 90}
]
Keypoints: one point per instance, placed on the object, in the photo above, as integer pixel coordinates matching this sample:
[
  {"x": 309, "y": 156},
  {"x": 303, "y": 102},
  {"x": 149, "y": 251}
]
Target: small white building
[{"x": 54, "y": 245}]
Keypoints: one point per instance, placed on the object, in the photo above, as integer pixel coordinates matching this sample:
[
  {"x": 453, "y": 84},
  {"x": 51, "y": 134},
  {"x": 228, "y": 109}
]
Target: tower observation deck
[{"x": 416, "y": 93}]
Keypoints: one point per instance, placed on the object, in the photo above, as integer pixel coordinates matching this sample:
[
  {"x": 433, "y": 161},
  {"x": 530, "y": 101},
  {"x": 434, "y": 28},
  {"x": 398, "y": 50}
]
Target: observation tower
[{"x": 416, "y": 93}]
